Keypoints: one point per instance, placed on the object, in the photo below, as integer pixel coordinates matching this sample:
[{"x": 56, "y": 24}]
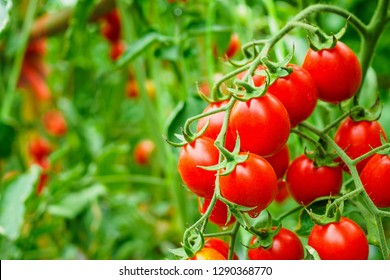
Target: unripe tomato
[
  {"x": 343, "y": 240},
  {"x": 215, "y": 124},
  {"x": 142, "y": 151},
  {"x": 336, "y": 72},
  {"x": 219, "y": 245},
  {"x": 262, "y": 123},
  {"x": 280, "y": 161},
  {"x": 219, "y": 214},
  {"x": 306, "y": 182},
  {"x": 376, "y": 180},
  {"x": 55, "y": 123},
  {"x": 207, "y": 254},
  {"x": 201, "y": 152},
  {"x": 252, "y": 183},
  {"x": 285, "y": 246},
  {"x": 358, "y": 138}
]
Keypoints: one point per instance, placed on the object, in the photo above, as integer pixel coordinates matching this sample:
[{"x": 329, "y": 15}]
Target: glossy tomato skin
[
  {"x": 143, "y": 151},
  {"x": 262, "y": 123},
  {"x": 252, "y": 183},
  {"x": 306, "y": 182},
  {"x": 280, "y": 161},
  {"x": 215, "y": 124},
  {"x": 219, "y": 245},
  {"x": 207, "y": 254},
  {"x": 201, "y": 152},
  {"x": 336, "y": 72},
  {"x": 286, "y": 246},
  {"x": 376, "y": 180},
  {"x": 219, "y": 214},
  {"x": 344, "y": 240},
  {"x": 358, "y": 138},
  {"x": 297, "y": 92}
]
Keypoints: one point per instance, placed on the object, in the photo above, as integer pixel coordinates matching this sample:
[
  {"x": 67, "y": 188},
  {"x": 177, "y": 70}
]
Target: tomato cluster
[{"x": 255, "y": 143}]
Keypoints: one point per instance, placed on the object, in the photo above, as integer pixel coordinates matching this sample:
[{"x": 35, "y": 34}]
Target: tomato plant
[
  {"x": 219, "y": 245},
  {"x": 219, "y": 214}
]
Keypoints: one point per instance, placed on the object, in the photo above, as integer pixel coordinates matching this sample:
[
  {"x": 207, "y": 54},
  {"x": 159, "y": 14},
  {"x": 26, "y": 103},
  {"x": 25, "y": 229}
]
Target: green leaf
[
  {"x": 7, "y": 137},
  {"x": 140, "y": 46},
  {"x": 74, "y": 203},
  {"x": 12, "y": 207},
  {"x": 311, "y": 253},
  {"x": 184, "y": 110},
  {"x": 5, "y": 7}
]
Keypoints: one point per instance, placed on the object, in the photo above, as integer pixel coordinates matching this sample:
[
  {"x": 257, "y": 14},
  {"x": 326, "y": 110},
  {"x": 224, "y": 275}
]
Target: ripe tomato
[
  {"x": 234, "y": 46},
  {"x": 215, "y": 124},
  {"x": 142, "y": 151},
  {"x": 358, "y": 138},
  {"x": 201, "y": 152},
  {"x": 262, "y": 123},
  {"x": 306, "y": 182},
  {"x": 39, "y": 148},
  {"x": 111, "y": 28},
  {"x": 219, "y": 245},
  {"x": 376, "y": 180},
  {"x": 44, "y": 176},
  {"x": 336, "y": 72},
  {"x": 55, "y": 123},
  {"x": 117, "y": 49},
  {"x": 252, "y": 183},
  {"x": 344, "y": 240},
  {"x": 280, "y": 161},
  {"x": 286, "y": 246},
  {"x": 293, "y": 91},
  {"x": 219, "y": 214},
  {"x": 35, "y": 82},
  {"x": 207, "y": 254},
  {"x": 282, "y": 194}
]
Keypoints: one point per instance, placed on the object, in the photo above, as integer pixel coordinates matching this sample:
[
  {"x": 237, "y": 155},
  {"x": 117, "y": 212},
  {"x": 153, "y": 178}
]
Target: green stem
[
  {"x": 209, "y": 45},
  {"x": 233, "y": 238},
  {"x": 17, "y": 66},
  {"x": 370, "y": 153},
  {"x": 316, "y": 144},
  {"x": 286, "y": 214}
]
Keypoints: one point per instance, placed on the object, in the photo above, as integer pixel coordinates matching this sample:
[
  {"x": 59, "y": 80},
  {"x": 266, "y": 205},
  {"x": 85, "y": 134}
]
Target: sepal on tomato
[
  {"x": 265, "y": 237},
  {"x": 319, "y": 40},
  {"x": 332, "y": 214}
]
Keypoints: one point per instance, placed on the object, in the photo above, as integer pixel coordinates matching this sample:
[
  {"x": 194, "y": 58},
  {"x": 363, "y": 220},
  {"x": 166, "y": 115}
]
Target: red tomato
[
  {"x": 55, "y": 123},
  {"x": 306, "y": 182},
  {"x": 336, "y": 72},
  {"x": 262, "y": 123},
  {"x": 252, "y": 183},
  {"x": 358, "y": 138},
  {"x": 285, "y": 246},
  {"x": 282, "y": 194},
  {"x": 234, "y": 46},
  {"x": 280, "y": 161},
  {"x": 344, "y": 240},
  {"x": 219, "y": 214},
  {"x": 215, "y": 124},
  {"x": 201, "y": 152},
  {"x": 39, "y": 148},
  {"x": 36, "y": 82},
  {"x": 297, "y": 92},
  {"x": 44, "y": 177},
  {"x": 117, "y": 49},
  {"x": 111, "y": 28},
  {"x": 36, "y": 47},
  {"x": 376, "y": 180},
  {"x": 207, "y": 254},
  {"x": 142, "y": 151},
  {"x": 219, "y": 245}
]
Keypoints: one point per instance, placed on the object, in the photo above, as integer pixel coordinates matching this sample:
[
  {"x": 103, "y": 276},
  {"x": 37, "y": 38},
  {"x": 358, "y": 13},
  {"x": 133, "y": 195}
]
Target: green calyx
[
  {"x": 358, "y": 113},
  {"x": 319, "y": 40},
  {"x": 265, "y": 237},
  {"x": 230, "y": 161},
  {"x": 187, "y": 136},
  {"x": 333, "y": 214}
]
